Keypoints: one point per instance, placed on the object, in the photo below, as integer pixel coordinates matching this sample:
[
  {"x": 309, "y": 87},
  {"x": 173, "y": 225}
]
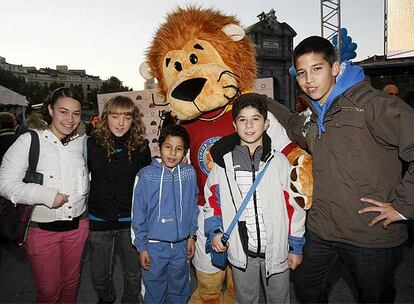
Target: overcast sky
[{"x": 107, "y": 37}]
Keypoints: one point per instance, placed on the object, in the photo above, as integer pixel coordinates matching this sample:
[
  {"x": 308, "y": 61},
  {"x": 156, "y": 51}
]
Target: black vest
[{"x": 112, "y": 180}]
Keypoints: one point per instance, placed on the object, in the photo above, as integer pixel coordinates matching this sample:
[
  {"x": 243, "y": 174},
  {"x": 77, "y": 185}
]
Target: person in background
[
  {"x": 30, "y": 115},
  {"x": 357, "y": 136},
  {"x": 91, "y": 126},
  {"x": 409, "y": 98},
  {"x": 59, "y": 224},
  {"x": 7, "y": 138},
  {"x": 116, "y": 151},
  {"x": 7, "y": 132},
  {"x": 391, "y": 89},
  {"x": 164, "y": 219}
]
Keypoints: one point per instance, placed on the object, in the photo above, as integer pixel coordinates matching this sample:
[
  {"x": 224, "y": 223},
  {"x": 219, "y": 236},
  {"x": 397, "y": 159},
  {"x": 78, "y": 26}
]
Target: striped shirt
[{"x": 244, "y": 180}]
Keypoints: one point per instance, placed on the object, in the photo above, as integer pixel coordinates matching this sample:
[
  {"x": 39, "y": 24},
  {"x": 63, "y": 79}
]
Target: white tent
[{"x": 9, "y": 97}]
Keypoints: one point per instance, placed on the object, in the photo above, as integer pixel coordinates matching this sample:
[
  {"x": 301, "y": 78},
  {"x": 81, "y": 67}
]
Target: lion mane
[{"x": 193, "y": 22}]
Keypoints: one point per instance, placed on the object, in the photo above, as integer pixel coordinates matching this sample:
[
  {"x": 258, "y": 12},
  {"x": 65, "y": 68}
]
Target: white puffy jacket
[
  {"x": 63, "y": 168},
  {"x": 282, "y": 216}
]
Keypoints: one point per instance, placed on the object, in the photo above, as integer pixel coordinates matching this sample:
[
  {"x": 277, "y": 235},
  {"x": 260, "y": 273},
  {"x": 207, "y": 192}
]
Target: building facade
[
  {"x": 62, "y": 74},
  {"x": 396, "y": 71},
  {"x": 274, "y": 46}
]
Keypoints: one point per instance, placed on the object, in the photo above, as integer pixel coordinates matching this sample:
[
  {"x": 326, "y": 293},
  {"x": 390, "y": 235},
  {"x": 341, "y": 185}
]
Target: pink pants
[{"x": 55, "y": 261}]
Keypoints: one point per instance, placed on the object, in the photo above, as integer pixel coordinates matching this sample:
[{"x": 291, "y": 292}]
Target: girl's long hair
[{"x": 103, "y": 135}]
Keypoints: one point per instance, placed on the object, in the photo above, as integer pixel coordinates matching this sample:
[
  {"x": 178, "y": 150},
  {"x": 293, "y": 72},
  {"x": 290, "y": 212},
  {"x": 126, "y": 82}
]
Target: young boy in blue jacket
[
  {"x": 269, "y": 237},
  {"x": 164, "y": 219}
]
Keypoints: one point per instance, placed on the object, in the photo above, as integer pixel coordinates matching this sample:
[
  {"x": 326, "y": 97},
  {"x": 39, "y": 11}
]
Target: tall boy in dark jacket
[{"x": 356, "y": 136}]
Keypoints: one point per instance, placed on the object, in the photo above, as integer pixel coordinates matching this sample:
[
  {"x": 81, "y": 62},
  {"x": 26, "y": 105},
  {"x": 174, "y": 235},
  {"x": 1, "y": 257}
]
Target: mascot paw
[{"x": 301, "y": 179}]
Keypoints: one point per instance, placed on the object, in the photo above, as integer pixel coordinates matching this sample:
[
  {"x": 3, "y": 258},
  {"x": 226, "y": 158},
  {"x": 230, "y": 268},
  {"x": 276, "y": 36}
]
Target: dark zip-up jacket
[
  {"x": 367, "y": 132},
  {"x": 112, "y": 183}
]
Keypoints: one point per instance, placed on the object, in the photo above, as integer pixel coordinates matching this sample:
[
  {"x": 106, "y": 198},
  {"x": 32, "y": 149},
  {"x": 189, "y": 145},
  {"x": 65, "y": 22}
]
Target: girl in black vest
[{"x": 117, "y": 150}]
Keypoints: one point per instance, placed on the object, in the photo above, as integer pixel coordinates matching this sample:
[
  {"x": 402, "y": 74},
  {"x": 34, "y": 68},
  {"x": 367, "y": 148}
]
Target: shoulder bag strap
[
  {"x": 85, "y": 150},
  {"x": 246, "y": 200},
  {"x": 34, "y": 151}
]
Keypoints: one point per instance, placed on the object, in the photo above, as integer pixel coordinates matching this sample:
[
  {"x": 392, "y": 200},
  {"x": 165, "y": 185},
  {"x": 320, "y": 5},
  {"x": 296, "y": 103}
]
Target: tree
[
  {"x": 93, "y": 99},
  {"x": 78, "y": 88},
  {"x": 113, "y": 84},
  {"x": 8, "y": 80},
  {"x": 35, "y": 92},
  {"x": 55, "y": 85}
]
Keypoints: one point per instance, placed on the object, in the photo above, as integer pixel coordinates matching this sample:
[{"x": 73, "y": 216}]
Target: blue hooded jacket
[
  {"x": 164, "y": 204},
  {"x": 350, "y": 75}
]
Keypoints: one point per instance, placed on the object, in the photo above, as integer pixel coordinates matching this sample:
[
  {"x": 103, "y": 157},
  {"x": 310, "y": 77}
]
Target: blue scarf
[{"x": 350, "y": 76}]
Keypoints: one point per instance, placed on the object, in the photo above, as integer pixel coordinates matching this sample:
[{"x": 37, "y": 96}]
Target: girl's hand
[{"x": 60, "y": 200}]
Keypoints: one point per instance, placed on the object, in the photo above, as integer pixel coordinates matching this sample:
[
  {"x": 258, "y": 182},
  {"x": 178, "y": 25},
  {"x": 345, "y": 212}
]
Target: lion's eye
[
  {"x": 178, "y": 66},
  {"x": 193, "y": 58},
  {"x": 198, "y": 47}
]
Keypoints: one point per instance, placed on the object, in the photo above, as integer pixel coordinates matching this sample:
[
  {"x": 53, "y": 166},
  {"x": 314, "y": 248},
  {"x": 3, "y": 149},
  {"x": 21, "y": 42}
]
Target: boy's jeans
[
  {"x": 103, "y": 247},
  {"x": 373, "y": 270}
]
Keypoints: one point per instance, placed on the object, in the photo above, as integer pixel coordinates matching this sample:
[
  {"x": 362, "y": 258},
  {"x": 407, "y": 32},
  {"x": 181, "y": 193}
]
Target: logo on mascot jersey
[{"x": 205, "y": 161}]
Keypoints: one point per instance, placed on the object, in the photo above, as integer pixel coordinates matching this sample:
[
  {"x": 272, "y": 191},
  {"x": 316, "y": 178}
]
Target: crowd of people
[{"x": 103, "y": 189}]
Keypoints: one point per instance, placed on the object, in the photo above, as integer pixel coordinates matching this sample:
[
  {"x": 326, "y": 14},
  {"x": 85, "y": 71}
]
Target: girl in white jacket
[{"x": 59, "y": 227}]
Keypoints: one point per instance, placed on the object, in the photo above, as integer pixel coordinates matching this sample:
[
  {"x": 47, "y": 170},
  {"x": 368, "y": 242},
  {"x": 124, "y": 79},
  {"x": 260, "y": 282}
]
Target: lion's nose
[{"x": 189, "y": 90}]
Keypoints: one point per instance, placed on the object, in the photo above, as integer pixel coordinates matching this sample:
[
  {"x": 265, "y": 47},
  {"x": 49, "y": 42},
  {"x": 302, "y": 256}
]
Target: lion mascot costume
[{"x": 202, "y": 61}]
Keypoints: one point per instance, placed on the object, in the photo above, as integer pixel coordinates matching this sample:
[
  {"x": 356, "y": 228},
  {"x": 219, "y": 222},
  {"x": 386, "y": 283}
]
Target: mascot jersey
[{"x": 203, "y": 135}]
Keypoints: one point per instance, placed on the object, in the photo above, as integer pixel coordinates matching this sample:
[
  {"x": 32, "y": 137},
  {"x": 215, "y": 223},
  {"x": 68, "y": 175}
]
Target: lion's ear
[
  {"x": 145, "y": 71},
  {"x": 234, "y": 31}
]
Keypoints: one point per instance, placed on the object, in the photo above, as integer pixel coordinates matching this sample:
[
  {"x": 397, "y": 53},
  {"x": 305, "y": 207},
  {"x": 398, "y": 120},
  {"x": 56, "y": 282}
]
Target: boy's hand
[
  {"x": 217, "y": 245},
  {"x": 191, "y": 248},
  {"x": 386, "y": 212},
  {"x": 144, "y": 260},
  {"x": 294, "y": 260}
]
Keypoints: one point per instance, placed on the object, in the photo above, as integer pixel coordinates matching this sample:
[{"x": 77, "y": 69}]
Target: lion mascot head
[{"x": 202, "y": 61}]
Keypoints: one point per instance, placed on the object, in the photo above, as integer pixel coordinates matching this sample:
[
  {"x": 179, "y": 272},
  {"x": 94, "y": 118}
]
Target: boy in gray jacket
[{"x": 269, "y": 237}]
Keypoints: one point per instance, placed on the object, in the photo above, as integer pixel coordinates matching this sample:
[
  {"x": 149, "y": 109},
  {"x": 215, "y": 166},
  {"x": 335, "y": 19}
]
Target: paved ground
[{"x": 17, "y": 286}]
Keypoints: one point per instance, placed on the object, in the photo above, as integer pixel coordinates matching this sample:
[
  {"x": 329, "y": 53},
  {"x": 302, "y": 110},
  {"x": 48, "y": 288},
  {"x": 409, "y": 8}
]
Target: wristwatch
[{"x": 194, "y": 237}]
